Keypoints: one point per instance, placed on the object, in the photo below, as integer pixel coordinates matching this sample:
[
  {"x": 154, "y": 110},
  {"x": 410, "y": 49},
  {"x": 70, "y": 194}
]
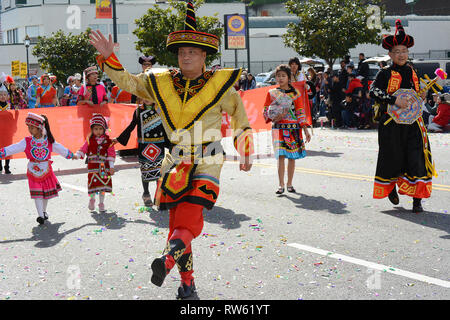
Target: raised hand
[{"x": 104, "y": 46}]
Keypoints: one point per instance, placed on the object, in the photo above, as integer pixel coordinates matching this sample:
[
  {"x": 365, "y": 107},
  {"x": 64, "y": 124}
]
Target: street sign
[
  {"x": 235, "y": 31},
  {"x": 103, "y": 9},
  {"x": 23, "y": 70},
  {"x": 15, "y": 68}
]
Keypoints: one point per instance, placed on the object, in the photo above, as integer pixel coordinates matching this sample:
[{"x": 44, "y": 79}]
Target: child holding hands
[{"x": 100, "y": 156}]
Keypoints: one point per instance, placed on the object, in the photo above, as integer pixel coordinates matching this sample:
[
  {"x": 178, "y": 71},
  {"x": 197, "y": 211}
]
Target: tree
[
  {"x": 154, "y": 27},
  {"x": 328, "y": 29},
  {"x": 65, "y": 54}
]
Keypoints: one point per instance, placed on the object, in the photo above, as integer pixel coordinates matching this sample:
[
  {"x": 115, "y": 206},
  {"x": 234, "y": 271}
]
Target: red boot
[
  {"x": 180, "y": 239},
  {"x": 187, "y": 288}
]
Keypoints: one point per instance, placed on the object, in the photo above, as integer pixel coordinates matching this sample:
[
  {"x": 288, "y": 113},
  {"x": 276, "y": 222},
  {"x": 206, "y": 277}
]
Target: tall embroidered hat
[
  {"x": 98, "y": 119},
  {"x": 398, "y": 38},
  {"x": 190, "y": 37}
]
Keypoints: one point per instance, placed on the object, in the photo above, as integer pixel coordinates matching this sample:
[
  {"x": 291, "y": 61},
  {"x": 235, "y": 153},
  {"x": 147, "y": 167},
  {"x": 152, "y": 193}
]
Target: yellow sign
[
  {"x": 103, "y": 9},
  {"x": 15, "y": 68},
  {"x": 23, "y": 70}
]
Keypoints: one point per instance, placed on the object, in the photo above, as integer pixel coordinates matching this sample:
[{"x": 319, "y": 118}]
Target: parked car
[
  {"x": 265, "y": 79},
  {"x": 429, "y": 66}
]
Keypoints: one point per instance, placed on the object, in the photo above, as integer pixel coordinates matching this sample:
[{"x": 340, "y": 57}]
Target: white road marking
[
  {"x": 372, "y": 265},
  {"x": 70, "y": 186}
]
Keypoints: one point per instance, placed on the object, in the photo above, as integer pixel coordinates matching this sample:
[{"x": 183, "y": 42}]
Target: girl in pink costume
[{"x": 38, "y": 147}]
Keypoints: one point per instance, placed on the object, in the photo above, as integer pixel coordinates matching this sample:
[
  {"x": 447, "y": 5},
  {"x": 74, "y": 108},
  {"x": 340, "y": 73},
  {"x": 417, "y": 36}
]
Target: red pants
[{"x": 186, "y": 216}]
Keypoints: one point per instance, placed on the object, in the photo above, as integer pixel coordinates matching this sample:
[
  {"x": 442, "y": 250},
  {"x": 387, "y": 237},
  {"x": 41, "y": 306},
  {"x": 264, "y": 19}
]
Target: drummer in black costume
[{"x": 404, "y": 157}]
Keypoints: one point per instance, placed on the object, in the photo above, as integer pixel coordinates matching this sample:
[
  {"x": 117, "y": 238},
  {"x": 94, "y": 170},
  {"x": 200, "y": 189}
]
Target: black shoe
[
  {"x": 40, "y": 220},
  {"x": 280, "y": 190},
  {"x": 7, "y": 170},
  {"x": 45, "y": 216},
  {"x": 417, "y": 205},
  {"x": 159, "y": 271},
  {"x": 393, "y": 197},
  {"x": 147, "y": 200},
  {"x": 186, "y": 292},
  {"x": 291, "y": 189}
]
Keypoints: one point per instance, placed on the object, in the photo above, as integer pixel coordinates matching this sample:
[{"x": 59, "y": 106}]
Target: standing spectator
[
  {"x": 348, "y": 61},
  {"x": 92, "y": 93},
  {"x": 314, "y": 81},
  {"x": 75, "y": 89},
  {"x": 16, "y": 97},
  {"x": 363, "y": 70},
  {"x": 46, "y": 95},
  {"x": 365, "y": 111},
  {"x": 249, "y": 82},
  {"x": 296, "y": 70},
  {"x": 67, "y": 96},
  {"x": 336, "y": 94},
  {"x": 31, "y": 92},
  {"x": 382, "y": 64},
  {"x": 343, "y": 75},
  {"x": 323, "y": 93}
]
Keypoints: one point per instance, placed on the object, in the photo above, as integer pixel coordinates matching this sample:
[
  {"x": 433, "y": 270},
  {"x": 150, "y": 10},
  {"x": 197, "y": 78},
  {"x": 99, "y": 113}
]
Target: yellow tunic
[{"x": 192, "y": 117}]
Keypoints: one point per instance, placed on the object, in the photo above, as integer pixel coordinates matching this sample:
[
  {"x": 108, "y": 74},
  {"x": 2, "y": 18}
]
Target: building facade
[{"x": 268, "y": 20}]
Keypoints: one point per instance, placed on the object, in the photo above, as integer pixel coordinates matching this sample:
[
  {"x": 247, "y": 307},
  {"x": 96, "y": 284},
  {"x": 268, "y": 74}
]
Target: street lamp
[
  {"x": 27, "y": 45},
  {"x": 247, "y": 35}
]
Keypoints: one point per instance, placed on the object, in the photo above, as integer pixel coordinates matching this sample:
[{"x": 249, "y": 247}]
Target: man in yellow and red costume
[
  {"x": 404, "y": 157},
  {"x": 190, "y": 101}
]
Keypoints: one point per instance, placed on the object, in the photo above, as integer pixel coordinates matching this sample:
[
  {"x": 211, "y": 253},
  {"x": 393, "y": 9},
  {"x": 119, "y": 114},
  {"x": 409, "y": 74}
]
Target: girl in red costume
[{"x": 100, "y": 155}]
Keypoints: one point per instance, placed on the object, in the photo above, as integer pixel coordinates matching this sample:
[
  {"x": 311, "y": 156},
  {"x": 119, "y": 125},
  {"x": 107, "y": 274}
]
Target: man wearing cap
[
  {"x": 404, "y": 157},
  {"x": 190, "y": 100}
]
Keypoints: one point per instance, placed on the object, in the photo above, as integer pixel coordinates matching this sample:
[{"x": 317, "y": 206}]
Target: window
[
  {"x": 13, "y": 36},
  {"x": 32, "y": 32},
  {"x": 102, "y": 27},
  {"x": 122, "y": 28}
]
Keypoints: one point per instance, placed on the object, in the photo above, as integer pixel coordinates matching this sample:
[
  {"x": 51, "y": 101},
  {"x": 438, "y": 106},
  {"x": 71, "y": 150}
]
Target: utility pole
[
  {"x": 114, "y": 17},
  {"x": 247, "y": 35}
]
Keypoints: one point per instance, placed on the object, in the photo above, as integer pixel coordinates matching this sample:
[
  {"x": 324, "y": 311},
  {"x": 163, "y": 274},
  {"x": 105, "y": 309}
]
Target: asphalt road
[{"x": 330, "y": 240}]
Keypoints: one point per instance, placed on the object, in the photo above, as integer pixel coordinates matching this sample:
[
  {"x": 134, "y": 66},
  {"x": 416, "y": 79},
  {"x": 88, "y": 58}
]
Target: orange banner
[
  {"x": 69, "y": 125},
  {"x": 254, "y": 105}
]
